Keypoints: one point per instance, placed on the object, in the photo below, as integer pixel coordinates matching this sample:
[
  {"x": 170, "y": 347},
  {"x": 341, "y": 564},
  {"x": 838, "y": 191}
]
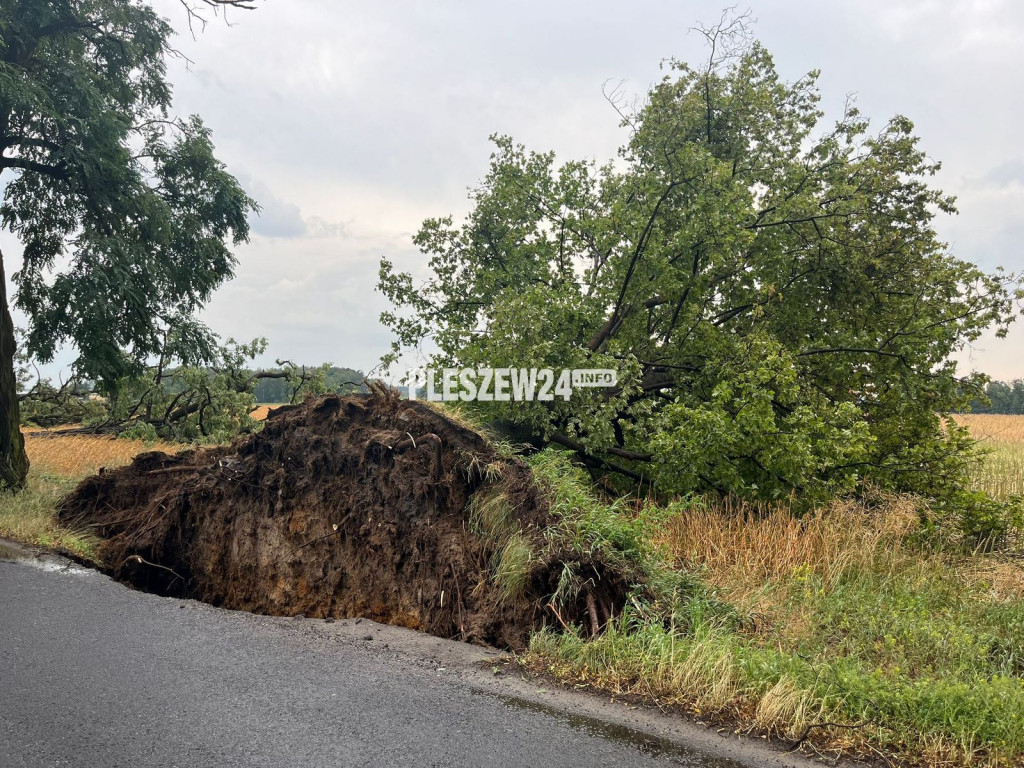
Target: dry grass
[
  {"x": 761, "y": 557},
  {"x": 1003, "y": 580},
  {"x": 742, "y": 549},
  {"x": 79, "y": 455}
]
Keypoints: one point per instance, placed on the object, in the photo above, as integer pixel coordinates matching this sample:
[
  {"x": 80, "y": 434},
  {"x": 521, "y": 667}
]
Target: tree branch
[{"x": 53, "y": 171}]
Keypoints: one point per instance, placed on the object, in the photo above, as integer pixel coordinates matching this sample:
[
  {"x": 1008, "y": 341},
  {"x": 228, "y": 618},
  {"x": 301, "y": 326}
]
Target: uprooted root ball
[{"x": 348, "y": 506}]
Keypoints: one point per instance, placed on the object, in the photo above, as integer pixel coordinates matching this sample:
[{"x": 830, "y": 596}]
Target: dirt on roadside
[{"x": 343, "y": 506}]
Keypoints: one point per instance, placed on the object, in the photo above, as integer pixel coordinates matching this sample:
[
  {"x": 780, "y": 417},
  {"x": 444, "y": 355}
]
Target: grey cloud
[
  {"x": 313, "y": 298},
  {"x": 276, "y": 217},
  {"x": 318, "y": 227},
  {"x": 1005, "y": 174},
  {"x": 1007, "y": 246},
  {"x": 377, "y": 115},
  {"x": 279, "y": 218}
]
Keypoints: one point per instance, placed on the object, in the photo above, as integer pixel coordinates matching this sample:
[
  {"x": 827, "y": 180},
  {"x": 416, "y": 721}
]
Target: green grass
[
  {"x": 907, "y": 649},
  {"x": 917, "y": 671},
  {"x": 29, "y": 517},
  {"x": 928, "y": 655},
  {"x": 717, "y": 673}
]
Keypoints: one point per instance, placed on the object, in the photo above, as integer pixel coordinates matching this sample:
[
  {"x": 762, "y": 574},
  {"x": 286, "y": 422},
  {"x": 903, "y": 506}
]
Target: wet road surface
[{"x": 95, "y": 674}]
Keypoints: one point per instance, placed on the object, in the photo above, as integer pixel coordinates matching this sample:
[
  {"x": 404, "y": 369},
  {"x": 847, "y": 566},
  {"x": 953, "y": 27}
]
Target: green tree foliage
[
  {"x": 1001, "y": 397},
  {"x": 274, "y": 390},
  {"x": 45, "y": 404},
  {"x": 175, "y": 400},
  {"x": 124, "y": 213},
  {"x": 344, "y": 380},
  {"x": 771, "y": 291}
]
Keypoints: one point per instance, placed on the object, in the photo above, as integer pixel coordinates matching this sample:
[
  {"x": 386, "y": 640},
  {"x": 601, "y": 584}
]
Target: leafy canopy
[
  {"x": 124, "y": 213},
  {"x": 771, "y": 291}
]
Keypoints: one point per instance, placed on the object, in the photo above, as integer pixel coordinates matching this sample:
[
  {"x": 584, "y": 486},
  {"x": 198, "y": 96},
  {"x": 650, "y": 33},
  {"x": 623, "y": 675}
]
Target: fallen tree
[
  {"x": 176, "y": 397},
  {"x": 781, "y": 314},
  {"x": 361, "y": 505}
]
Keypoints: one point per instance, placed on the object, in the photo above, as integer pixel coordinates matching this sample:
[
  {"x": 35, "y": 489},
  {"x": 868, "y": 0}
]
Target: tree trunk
[{"x": 13, "y": 459}]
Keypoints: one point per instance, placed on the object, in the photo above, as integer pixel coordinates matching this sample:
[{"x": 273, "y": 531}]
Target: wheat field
[
  {"x": 262, "y": 410},
  {"x": 58, "y": 461},
  {"x": 999, "y": 427},
  {"x": 79, "y": 455},
  {"x": 1001, "y": 472}
]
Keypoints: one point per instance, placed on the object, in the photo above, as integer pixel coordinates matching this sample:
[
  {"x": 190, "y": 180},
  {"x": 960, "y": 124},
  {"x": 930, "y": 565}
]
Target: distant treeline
[
  {"x": 1006, "y": 397},
  {"x": 341, "y": 380}
]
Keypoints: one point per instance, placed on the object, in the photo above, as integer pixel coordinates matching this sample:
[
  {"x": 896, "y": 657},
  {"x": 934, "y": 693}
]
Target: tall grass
[
  {"x": 744, "y": 547},
  {"x": 28, "y": 516}
]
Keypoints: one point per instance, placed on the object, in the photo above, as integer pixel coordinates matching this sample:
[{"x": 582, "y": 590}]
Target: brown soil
[{"x": 343, "y": 506}]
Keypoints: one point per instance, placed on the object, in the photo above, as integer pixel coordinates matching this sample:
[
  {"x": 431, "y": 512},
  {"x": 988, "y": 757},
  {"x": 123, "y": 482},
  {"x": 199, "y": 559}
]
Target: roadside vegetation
[
  {"x": 869, "y": 628},
  {"x": 828, "y": 557}
]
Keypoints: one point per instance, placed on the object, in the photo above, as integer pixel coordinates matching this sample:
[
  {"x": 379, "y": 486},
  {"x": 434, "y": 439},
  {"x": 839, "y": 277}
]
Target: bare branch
[{"x": 194, "y": 9}]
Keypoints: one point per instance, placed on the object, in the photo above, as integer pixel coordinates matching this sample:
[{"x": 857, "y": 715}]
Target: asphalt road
[{"x": 94, "y": 674}]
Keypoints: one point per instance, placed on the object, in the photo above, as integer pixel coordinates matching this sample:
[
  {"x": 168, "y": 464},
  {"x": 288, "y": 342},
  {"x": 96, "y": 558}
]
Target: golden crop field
[
  {"x": 997, "y": 427},
  {"x": 260, "y": 411},
  {"x": 58, "y": 462},
  {"x": 1002, "y": 436},
  {"x": 79, "y": 455}
]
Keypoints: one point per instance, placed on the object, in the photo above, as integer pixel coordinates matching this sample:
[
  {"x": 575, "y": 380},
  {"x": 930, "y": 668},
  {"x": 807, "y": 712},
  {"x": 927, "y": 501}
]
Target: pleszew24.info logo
[{"x": 505, "y": 384}]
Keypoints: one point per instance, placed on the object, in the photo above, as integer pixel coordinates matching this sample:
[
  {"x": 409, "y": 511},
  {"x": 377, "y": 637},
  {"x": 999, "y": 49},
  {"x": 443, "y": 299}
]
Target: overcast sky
[{"x": 351, "y": 122}]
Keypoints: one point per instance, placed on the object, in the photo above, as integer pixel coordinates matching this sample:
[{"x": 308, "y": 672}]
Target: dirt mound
[{"x": 359, "y": 505}]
